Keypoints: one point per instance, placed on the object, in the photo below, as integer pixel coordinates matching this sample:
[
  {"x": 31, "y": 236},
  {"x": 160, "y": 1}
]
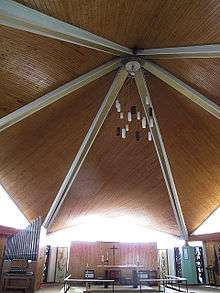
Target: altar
[
  {"x": 122, "y": 262},
  {"x": 122, "y": 274}
]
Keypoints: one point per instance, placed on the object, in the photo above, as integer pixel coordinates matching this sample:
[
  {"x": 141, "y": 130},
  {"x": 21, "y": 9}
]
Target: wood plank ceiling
[
  {"x": 201, "y": 74},
  {"x": 140, "y": 24},
  {"x": 192, "y": 141},
  {"x": 120, "y": 177},
  {"x": 33, "y": 65},
  {"x": 117, "y": 176},
  {"x": 37, "y": 152}
]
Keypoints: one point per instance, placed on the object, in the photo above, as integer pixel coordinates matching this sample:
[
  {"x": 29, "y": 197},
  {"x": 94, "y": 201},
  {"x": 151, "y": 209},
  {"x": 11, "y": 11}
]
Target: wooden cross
[{"x": 113, "y": 251}]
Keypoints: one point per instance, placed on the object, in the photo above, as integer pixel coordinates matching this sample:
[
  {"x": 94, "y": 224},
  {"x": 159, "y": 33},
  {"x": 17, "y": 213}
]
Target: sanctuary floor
[{"x": 194, "y": 289}]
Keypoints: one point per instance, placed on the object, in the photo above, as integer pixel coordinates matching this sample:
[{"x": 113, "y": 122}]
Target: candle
[
  {"x": 102, "y": 258},
  {"x": 107, "y": 256}
]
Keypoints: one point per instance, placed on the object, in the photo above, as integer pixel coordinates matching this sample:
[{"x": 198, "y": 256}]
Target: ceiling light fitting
[{"x": 133, "y": 115}]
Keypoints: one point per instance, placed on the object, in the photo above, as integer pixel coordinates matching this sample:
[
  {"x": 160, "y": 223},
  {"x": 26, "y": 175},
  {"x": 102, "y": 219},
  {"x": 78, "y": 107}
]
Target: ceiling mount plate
[{"x": 132, "y": 67}]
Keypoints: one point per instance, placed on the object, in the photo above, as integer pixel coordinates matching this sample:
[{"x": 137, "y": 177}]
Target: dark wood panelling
[
  {"x": 201, "y": 74},
  {"x": 140, "y": 23},
  {"x": 211, "y": 248},
  {"x": 192, "y": 141},
  {"x": 32, "y": 65},
  {"x": 37, "y": 152},
  {"x": 205, "y": 237},
  {"x": 82, "y": 253},
  {"x": 120, "y": 177}
]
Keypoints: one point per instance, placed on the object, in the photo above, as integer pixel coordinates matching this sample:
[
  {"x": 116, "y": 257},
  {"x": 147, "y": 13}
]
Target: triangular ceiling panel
[
  {"x": 192, "y": 141},
  {"x": 33, "y": 65},
  {"x": 37, "y": 152},
  {"x": 202, "y": 75},
  {"x": 120, "y": 177},
  {"x": 140, "y": 24}
]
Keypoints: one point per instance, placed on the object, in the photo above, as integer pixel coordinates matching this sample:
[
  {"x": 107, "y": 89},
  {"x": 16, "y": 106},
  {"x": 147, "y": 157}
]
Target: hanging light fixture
[
  {"x": 133, "y": 122},
  {"x": 118, "y": 106},
  {"x": 149, "y": 136},
  {"x": 123, "y": 133},
  {"x": 144, "y": 122}
]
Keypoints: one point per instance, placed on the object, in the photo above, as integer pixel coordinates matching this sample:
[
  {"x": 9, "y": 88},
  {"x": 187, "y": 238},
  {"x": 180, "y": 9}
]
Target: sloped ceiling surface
[
  {"x": 201, "y": 74},
  {"x": 117, "y": 176},
  {"x": 120, "y": 177},
  {"x": 140, "y": 24},
  {"x": 33, "y": 65},
  {"x": 37, "y": 152},
  {"x": 191, "y": 137}
]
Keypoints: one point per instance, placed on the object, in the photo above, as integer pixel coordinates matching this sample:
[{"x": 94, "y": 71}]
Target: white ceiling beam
[
  {"x": 161, "y": 152},
  {"x": 203, "y": 51},
  {"x": 58, "y": 93},
  {"x": 86, "y": 145},
  {"x": 18, "y": 16},
  {"x": 183, "y": 88}
]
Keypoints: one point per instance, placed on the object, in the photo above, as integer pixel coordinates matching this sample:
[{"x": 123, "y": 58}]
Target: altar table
[{"x": 114, "y": 272}]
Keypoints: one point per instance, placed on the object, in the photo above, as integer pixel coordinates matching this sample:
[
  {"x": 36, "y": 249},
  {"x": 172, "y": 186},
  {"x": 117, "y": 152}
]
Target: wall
[
  {"x": 82, "y": 253},
  {"x": 210, "y": 245}
]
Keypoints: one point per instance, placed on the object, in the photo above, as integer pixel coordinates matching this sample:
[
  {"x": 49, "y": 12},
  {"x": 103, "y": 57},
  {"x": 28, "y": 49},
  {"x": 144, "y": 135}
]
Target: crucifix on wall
[{"x": 113, "y": 248}]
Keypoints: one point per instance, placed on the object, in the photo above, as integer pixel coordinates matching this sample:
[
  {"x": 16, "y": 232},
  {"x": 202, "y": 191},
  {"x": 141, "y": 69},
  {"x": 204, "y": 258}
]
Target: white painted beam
[
  {"x": 183, "y": 88},
  {"x": 86, "y": 145},
  {"x": 57, "y": 94},
  {"x": 161, "y": 152},
  {"x": 18, "y": 16},
  {"x": 203, "y": 51}
]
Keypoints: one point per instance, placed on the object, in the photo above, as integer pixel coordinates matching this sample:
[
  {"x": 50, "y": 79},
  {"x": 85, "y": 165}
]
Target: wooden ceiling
[
  {"x": 33, "y": 65},
  {"x": 201, "y": 74},
  {"x": 192, "y": 141},
  {"x": 120, "y": 177},
  {"x": 37, "y": 152},
  {"x": 117, "y": 176},
  {"x": 140, "y": 24}
]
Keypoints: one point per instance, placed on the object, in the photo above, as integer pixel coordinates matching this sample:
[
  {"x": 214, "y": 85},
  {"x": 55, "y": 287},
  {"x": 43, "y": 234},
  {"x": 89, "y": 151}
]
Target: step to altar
[
  {"x": 118, "y": 288},
  {"x": 121, "y": 289}
]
